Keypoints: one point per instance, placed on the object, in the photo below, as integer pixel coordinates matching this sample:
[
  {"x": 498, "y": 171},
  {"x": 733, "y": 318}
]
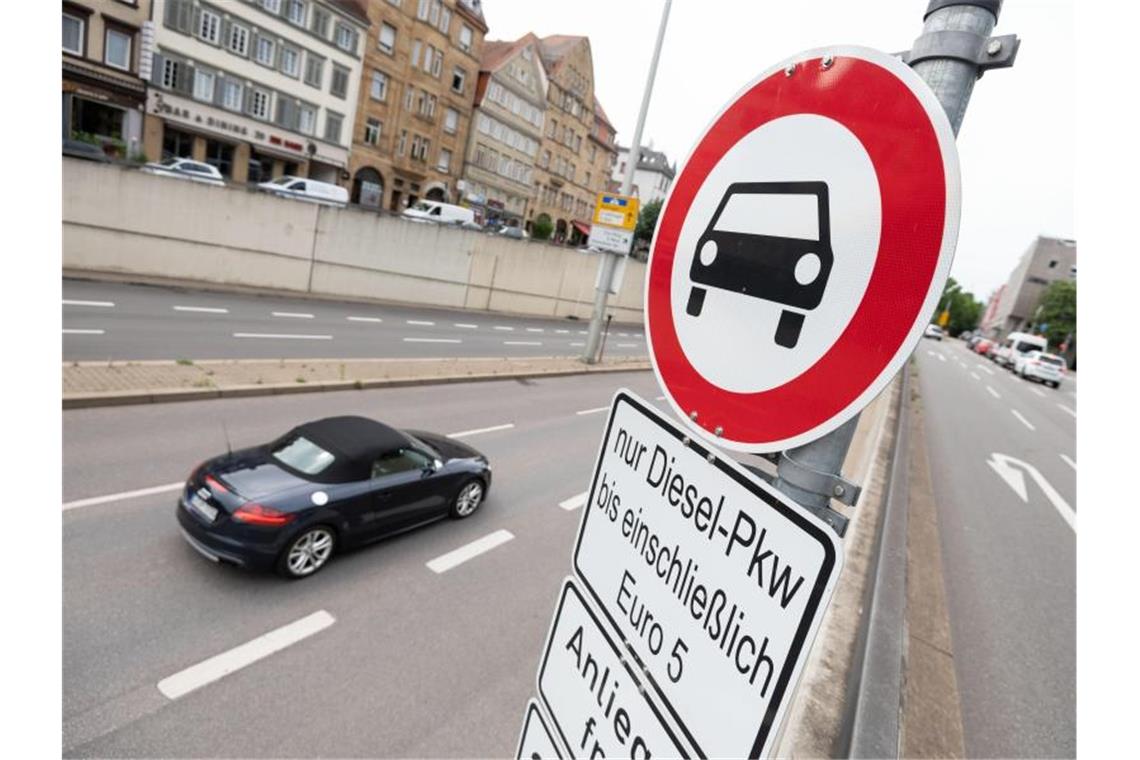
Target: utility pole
[
  {"x": 609, "y": 260},
  {"x": 950, "y": 55}
]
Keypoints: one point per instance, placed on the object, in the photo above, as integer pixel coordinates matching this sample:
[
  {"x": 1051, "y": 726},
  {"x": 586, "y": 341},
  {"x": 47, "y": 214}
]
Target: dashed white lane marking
[
  {"x": 975, "y": 376},
  {"x": 477, "y": 431},
  {"x": 593, "y": 411},
  {"x": 940, "y": 356},
  {"x": 574, "y": 502},
  {"x": 583, "y": 332},
  {"x": 504, "y": 327},
  {"x": 1024, "y": 421},
  {"x": 104, "y": 304},
  {"x": 627, "y": 345},
  {"x": 433, "y": 340},
  {"x": 1069, "y": 462},
  {"x": 364, "y": 319},
  {"x": 984, "y": 368},
  {"x": 577, "y": 344},
  {"x": 445, "y": 562},
  {"x": 120, "y": 496},
  {"x": 219, "y": 666},
  {"x": 67, "y": 331},
  {"x": 623, "y": 335},
  {"x": 522, "y": 342},
  {"x": 660, "y": 398},
  {"x": 293, "y": 314},
  {"x": 1067, "y": 410},
  {"x": 465, "y": 326},
  {"x": 535, "y": 329},
  {"x": 562, "y": 332},
  {"x": 1038, "y": 391},
  {"x": 283, "y": 336},
  {"x": 202, "y": 309},
  {"x": 993, "y": 393},
  {"x": 420, "y": 322}
]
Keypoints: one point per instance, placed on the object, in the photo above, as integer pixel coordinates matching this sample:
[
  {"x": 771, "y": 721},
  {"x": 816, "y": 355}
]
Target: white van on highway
[
  {"x": 305, "y": 189},
  {"x": 1017, "y": 344},
  {"x": 436, "y": 211}
]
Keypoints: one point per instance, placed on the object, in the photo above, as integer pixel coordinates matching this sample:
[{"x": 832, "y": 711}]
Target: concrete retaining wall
[{"x": 122, "y": 221}]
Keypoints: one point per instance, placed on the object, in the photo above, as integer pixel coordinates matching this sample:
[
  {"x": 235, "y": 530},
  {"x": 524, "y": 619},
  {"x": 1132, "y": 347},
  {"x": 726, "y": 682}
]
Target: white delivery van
[
  {"x": 305, "y": 189},
  {"x": 1016, "y": 344},
  {"x": 444, "y": 213}
]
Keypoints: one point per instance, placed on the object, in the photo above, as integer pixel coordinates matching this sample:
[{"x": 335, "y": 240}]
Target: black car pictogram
[{"x": 738, "y": 253}]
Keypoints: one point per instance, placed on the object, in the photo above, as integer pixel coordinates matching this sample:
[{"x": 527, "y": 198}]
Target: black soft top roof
[{"x": 356, "y": 442}]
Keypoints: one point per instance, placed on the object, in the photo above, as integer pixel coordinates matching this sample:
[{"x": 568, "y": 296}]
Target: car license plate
[{"x": 202, "y": 508}]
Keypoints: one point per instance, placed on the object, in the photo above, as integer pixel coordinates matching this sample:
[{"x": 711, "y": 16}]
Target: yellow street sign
[
  {"x": 613, "y": 210},
  {"x": 944, "y": 318}
]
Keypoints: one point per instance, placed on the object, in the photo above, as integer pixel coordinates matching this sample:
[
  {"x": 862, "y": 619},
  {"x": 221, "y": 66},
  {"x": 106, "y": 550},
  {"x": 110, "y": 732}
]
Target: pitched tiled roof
[
  {"x": 554, "y": 47},
  {"x": 601, "y": 113}
]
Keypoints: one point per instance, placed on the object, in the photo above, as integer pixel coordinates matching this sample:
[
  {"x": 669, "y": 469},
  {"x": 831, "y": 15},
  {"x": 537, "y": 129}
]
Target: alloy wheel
[
  {"x": 469, "y": 498},
  {"x": 310, "y": 552}
]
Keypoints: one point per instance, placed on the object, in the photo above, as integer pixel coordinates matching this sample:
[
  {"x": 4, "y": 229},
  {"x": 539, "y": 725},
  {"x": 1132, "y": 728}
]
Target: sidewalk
[{"x": 112, "y": 383}]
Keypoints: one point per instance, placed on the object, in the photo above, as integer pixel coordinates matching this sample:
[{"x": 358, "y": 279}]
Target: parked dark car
[
  {"x": 325, "y": 486},
  {"x": 80, "y": 149}
]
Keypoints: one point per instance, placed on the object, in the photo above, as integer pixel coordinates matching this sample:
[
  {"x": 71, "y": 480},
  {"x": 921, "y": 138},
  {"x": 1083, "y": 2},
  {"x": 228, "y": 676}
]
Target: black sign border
[
  {"x": 569, "y": 586},
  {"x": 533, "y": 710},
  {"x": 816, "y": 531}
]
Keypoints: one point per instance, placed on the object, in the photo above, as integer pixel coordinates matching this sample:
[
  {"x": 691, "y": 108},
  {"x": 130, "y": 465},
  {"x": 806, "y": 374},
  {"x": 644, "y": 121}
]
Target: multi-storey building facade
[
  {"x": 503, "y": 143},
  {"x": 603, "y": 150},
  {"x": 1043, "y": 263},
  {"x": 566, "y": 180},
  {"x": 103, "y": 89},
  {"x": 652, "y": 177},
  {"x": 421, "y": 62},
  {"x": 257, "y": 88}
]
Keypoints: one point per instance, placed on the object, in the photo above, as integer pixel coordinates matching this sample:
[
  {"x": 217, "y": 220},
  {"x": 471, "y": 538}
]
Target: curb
[{"x": 162, "y": 396}]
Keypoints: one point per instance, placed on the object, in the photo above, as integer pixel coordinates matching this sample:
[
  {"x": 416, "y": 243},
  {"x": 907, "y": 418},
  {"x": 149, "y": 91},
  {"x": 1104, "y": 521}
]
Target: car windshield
[
  {"x": 1023, "y": 347},
  {"x": 171, "y": 162},
  {"x": 303, "y": 455},
  {"x": 1056, "y": 361},
  {"x": 420, "y": 444},
  {"x": 281, "y": 181},
  {"x": 423, "y": 206},
  {"x": 790, "y": 215}
]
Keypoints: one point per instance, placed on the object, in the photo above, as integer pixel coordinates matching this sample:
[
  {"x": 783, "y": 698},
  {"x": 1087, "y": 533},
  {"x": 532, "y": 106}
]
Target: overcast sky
[{"x": 1016, "y": 143}]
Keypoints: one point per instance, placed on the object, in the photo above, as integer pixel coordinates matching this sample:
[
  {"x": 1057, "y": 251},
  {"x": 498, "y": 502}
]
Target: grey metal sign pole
[
  {"x": 955, "y": 48},
  {"x": 609, "y": 260}
]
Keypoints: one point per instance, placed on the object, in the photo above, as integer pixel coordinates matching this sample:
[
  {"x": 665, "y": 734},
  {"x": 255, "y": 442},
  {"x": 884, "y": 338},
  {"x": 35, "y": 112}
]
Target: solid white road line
[
  {"x": 993, "y": 393},
  {"x": 201, "y": 309},
  {"x": 465, "y": 326},
  {"x": 292, "y": 315},
  {"x": 477, "y": 431},
  {"x": 433, "y": 340},
  {"x": 535, "y": 329},
  {"x": 502, "y": 327},
  {"x": 984, "y": 368},
  {"x": 445, "y": 562},
  {"x": 1069, "y": 462},
  {"x": 593, "y": 411},
  {"x": 1024, "y": 421},
  {"x": 283, "y": 336},
  {"x": 975, "y": 376},
  {"x": 574, "y": 502},
  {"x": 219, "y": 666},
  {"x": 67, "y": 331},
  {"x": 120, "y": 496},
  {"x": 522, "y": 342},
  {"x": 104, "y": 304},
  {"x": 1038, "y": 391},
  {"x": 364, "y": 319},
  {"x": 1067, "y": 410},
  {"x": 419, "y": 322}
]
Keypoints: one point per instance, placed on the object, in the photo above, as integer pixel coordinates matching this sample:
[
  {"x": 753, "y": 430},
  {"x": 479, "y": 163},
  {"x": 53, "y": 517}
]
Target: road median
[{"x": 117, "y": 383}]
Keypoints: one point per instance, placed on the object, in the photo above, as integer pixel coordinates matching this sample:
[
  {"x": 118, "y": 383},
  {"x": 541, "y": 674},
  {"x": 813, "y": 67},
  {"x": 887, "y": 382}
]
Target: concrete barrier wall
[{"x": 119, "y": 220}]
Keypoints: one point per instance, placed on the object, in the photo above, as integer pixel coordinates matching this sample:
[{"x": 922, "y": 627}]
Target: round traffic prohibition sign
[{"x": 802, "y": 249}]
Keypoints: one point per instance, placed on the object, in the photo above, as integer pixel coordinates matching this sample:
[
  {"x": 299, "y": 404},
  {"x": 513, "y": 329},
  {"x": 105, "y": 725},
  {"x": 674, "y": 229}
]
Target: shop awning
[{"x": 581, "y": 227}]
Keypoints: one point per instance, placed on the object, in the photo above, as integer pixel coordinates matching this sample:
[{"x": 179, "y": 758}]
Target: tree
[
  {"x": 965, "y": 310},
  {"x": 1058, "y": 312},
  {"x": 542, "y": 227},
  {"x": 647, "y": 220}
]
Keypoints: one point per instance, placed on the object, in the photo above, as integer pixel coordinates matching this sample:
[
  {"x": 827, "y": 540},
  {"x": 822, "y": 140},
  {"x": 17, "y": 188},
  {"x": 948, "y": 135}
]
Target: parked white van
[
  {"x": 305, "y": 189},
  {"x": 444, "y": 213},
  {"x": 1016, "y": 344}
]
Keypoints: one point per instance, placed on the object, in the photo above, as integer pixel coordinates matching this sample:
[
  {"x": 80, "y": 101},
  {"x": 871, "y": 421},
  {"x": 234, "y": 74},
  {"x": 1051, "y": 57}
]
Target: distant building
[
  {"x": 1012, "y": 308},
  {"x": 653, "y": 176}
]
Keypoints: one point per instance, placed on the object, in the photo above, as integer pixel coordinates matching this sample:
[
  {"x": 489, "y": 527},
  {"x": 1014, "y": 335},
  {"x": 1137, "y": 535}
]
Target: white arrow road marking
[
  {"x": 445, "y": 562},
  {"x": 1067, "y": 410},
  {"x": 1024, "y": 421},
  {"x": 574, "y": 502},
  {"x": 1069, "y": 462},
  {"x": 1006, "y": 468},
  {"x": 219, "y": 666},
  {"x": 993, "y": 393}
]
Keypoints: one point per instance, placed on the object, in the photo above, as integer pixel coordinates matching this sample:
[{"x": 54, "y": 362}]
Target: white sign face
[
  {"x": 596, "y": 704},
  {"x": 536, "y": 742},
  {"x": 616, "y": 218},
  {"x": 716, "y": 581},
  {"x": 610, "y": 239}
]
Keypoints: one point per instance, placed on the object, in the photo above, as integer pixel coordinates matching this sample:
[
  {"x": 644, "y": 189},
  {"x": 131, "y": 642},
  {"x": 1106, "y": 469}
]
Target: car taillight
[
  {"x": 216, "y": 484},
  {"x": 252, "y": 513}
]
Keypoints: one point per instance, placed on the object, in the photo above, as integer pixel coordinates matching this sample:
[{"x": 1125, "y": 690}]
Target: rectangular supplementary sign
[
  {"x": 597, "y": 706},
  {"x": 616, "y": 210},
  {"x": 716, "y": 581},
  {"x": 536, "y": 742},
  {"x": 610, "y": 239}
]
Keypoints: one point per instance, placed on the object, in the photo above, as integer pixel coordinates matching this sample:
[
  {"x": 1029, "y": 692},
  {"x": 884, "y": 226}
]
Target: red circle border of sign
[{"x": 908, "y": 258}]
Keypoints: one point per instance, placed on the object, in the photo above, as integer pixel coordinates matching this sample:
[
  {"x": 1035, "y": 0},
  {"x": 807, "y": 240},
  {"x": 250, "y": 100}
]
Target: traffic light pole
[
  {"x": 609, "y": 260},
  {"x": 952, "y": 52}
]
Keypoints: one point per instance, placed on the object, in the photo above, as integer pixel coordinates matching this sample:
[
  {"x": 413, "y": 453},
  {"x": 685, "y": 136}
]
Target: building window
[
  {"x": 387, "y": 41},
  {"x": 458, "y": 80},
  {"x": 117, "y": 49},
  {"x": 422, "y": 10},
  {"x": 209, "y": 27},
  {"x": 314, "y": 70},
  {"x": 1053, "y": 264},
  {"x": 445, "y": 21},
  {"x": 444, "y": 160},
  {"x": 73, "y": 32},
  {"x": 465, "y": 36},
  {"x": 416, "y": 47},
  {"x": 259, "y": 104},
  {"x": 220, "y": 155},
  {"x": 436, "y": 61},
  {"x": 239, "y": 40},
  {"x": 273, "y": 6},
  {"x": 307, "y": 119},
  {"x": 409, "y": 98},
  {"x": 204, "y": 85},
  {"x": 451, "y": 121},
  {"x": 420, "y": 147},
  {"x": 372, "y": 129},
  {"x": 169, "y": 79},
  {"x": 291, "y": 62},
  {"x": 345, "y": 38},
  {"x": 264, "y": 51},
  {"x": 379, "y": 90},
  {"x": 339, "y": 86},
  {"x": 403, "y": 144},
  {"x": 319, "y": 23},
  {"x": 295, "y": 11},
  {"x": 231, "y": 94},
  {"x": 333, "y": 122}
]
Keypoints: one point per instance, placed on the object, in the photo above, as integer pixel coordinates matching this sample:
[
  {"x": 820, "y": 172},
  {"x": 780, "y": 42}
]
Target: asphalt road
[
  {"x": 1009, "y": 563},
  {"x": 416, "y": 664},
  {"x": 104, "y": 321}
]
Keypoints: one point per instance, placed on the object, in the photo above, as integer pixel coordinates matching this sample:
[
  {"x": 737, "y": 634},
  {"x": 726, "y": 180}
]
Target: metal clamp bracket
[
  {"x": 807, "y": 479},
  {"x": 986, "y": 54}
]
